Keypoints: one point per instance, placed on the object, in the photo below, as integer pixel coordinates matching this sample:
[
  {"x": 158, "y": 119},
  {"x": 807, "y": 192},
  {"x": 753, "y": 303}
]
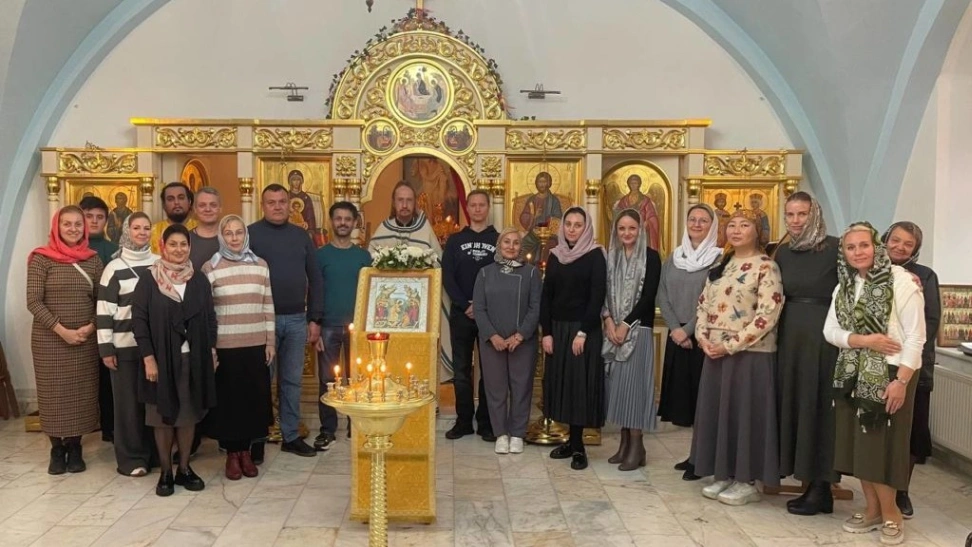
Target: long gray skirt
[
  {"x": 631, "y": 386},
  {"x": 735, "y": 435}
]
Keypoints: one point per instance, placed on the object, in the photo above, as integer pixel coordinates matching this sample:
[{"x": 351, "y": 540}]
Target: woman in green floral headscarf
[{"x": 877, "y": 320}]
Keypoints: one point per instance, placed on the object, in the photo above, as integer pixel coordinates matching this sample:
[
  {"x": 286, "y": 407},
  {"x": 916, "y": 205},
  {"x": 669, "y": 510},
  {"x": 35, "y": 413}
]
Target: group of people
[{"x": 813, "y": 358}]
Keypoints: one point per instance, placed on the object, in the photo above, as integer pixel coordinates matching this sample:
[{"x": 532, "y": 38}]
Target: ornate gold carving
[
  {"x": 745, "y": 165},
  {"x": 491, "y": 167},
  {"x": 592, "y": 187},
  {"x": 53, "y": 188},
  {"x": 340, "y": 187},
  {"x": 147, "y": 187},
  {"x": 196, "y": 137},
  {"x": 564, "y": 139},
  {"x": 790, "y": 186},
  {"x": 95, "y": 161},
  {"x": 246, "y": 186},
  {"x": 495, "y": 188},
  {"x": 644, "y": 139},
  {"x": 428, "y": 136},
  {"x": 694, "y": 187},
  {"x": 346, "y": 166},
  {"x": 293, "y": 139},
  {"x": 469, "y": 163},
  {"x": 368, "y": 163},
  {"x": 353, "y": 190}
]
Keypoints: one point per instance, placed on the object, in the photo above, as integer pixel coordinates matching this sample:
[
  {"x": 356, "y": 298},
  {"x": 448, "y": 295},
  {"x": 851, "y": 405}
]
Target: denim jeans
[
  {"x": 334, "y": 339},
  {"x": 288, "y": 368}
]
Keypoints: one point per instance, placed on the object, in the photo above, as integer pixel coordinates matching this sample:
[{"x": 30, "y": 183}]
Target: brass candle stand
[{"x": 378, "y": 405}]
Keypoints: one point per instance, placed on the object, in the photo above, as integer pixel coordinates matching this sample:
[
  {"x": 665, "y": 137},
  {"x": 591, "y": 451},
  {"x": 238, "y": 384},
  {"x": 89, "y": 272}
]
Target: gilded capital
[
  {"x": 592, "y": 187},
  {"x": 694, "y": 187},
  {"x": 790, "y": 186},
  {"x": 147, "y": 185},
  {"x": 246, "y": 186},
  {"x": 53, "y": 188}
]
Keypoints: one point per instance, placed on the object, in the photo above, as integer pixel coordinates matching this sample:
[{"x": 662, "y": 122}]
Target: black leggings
[{"x": 577, "y": 438}]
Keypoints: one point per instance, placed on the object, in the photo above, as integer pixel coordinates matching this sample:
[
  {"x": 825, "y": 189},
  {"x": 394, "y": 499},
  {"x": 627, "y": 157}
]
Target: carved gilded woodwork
[
  {"x": 345, "y": 166},
  {"x": 293, "y": 139},
  {"x": 644, "y": 139},
  {"x": 53, "y": 188},
  {"x": 195, "y": 137},
  {"x": 147, "y": 186},
  {"x": 96, "y": 162},
  {"x": 546, "y": 139},
  {"x": 491, "y": 167},
  {"x": 246, "y": 186},
  {"x": 744, "y": 164}
]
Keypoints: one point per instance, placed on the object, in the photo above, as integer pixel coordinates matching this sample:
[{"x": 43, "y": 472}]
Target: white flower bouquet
[{"x": 404, "y": 257}]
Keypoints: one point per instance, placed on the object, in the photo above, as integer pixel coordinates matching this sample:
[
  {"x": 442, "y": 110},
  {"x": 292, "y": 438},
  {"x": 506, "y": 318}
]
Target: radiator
[{"x": 951, "y": 411}]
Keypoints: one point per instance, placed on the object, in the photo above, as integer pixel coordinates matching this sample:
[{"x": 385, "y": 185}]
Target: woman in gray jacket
[{"x": 506, "y": 307}]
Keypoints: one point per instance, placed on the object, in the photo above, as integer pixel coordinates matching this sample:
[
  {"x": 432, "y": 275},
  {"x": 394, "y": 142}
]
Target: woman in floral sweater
[{"x": 735, "y": 436}]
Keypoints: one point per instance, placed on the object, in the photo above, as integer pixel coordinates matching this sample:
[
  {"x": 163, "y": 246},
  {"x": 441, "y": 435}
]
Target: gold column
[
  {"x": 147, "y": 188},
  {"x": 694, "y": 187},
  {"x": 53, "y": 195},
  {"x": 593, "y": 191},
  {"x": 789, "y": 187},
  {"x": 496, "y": 189},
  {"x": 246, "y": 198}
]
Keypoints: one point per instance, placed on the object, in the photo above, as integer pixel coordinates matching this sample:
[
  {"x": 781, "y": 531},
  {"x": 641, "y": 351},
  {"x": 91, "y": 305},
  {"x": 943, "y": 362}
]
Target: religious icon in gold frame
[
  {"x": 420, "y": 93},
  {"x": 956, "y": 323},
  {"x": 763, "y": 199},
  {"x": 307, "y": 181},
  {"x": 380, "y": 136},
  {"x": 643, "y": 186},
  {"x": 539, "y": 192},
  {"x": 121, "y": 196},
  {"x": 458, "y": 136},
  {"x": 397, "y": 304},
  {"x": 194, "y": 175}
]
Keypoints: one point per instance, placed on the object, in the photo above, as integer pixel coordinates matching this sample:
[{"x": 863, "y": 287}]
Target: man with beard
[
  {"x": 340, "y": 261},
  {"x": 903, "y": 240},
  {"x": 177, "y": 201},
  {"x": 405, "y": 225}
]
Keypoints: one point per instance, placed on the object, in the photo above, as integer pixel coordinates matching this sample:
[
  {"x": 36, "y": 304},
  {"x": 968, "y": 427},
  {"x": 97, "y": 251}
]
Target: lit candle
[
  {"x": 351, "y": 327},
  {"x": 529, "y": 257},
  {"x": 408, "y": 371},
  {"x": 337, "y": 374},
  {"x": 381, "y": 377},
  {"x": 371, "y": 371}
]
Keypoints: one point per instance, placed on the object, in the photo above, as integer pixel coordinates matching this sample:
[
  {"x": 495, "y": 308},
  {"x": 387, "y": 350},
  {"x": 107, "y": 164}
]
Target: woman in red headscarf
[{"x": 61, "y": 281}]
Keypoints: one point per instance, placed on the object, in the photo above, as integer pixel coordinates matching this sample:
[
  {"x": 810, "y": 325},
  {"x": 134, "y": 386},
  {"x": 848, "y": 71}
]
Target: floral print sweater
[{"x": 740, "y": 310}]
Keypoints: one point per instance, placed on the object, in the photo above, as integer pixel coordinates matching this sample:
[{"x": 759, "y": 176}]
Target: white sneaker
[
  {"x": 739, "y": 493},
  {"x": 502, "y": 444},
  {"x": 713, "y": 490},
  {"x": 516, "y": 445}
]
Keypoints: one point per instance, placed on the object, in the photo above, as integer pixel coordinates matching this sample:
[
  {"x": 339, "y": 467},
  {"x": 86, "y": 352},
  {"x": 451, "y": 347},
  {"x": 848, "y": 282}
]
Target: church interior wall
[{"x": 217, "y": 59}]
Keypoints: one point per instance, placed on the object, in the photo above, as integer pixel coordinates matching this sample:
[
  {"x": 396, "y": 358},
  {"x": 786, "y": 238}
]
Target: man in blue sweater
[
  {"x": 467, "y": 252},
  {"x": 298, "y": 301}
]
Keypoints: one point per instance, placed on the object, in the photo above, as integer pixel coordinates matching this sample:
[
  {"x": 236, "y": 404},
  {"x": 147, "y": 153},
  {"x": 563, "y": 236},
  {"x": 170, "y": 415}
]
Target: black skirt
[
  {"x": 680, "y": 383},
  {"x": 573, "y": 386},
  {"x": 244, "y": 410}
]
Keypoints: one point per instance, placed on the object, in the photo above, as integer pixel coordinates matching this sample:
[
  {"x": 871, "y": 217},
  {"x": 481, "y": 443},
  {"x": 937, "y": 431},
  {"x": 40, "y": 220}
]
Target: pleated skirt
[
  {"x": 735, "y": 435},
  {"x": 573, "y": 385},
  {"x": 631, "y": 386},
  {"x": 680, "y": 383}
]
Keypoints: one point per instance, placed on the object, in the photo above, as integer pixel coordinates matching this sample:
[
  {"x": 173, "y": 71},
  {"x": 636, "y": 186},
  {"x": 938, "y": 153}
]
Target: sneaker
[
  {"x": 740, "y": 493},
  {"x": 138, "y": 472},
  {"x": 892, "y": 533},
  {"x": 713, "y": 490},
  {"x": 299, "y": 447},
  {"x": 324, "y": 442},
  {"x": 516, "y": 445},
  {"x": 459, "y": 431},
  {"x": 860, "y": 524},
  {"x": 502, "y": 444}
]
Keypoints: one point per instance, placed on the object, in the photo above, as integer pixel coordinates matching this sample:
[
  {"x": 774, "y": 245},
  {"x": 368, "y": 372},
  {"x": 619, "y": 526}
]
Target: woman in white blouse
[{"x": 877, "y": 320}]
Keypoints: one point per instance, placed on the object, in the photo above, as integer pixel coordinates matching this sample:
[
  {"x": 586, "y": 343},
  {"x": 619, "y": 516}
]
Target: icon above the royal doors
[
  {"x": 380, "y": 136},
  {"x": 420, "y": 93},
  {"x": 458, "y": 136}
]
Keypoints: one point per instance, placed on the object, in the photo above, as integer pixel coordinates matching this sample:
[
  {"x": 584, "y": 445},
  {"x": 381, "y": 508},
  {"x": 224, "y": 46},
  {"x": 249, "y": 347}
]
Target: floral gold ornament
[
  {"x": 346, "y": 166},
  {"x": 96, "y": 162},
  {"x": 292, "y": 139},
  {"x": 745, "y": 164},
  {"x": 491, "y": 167},
  {"x": 546, "y": 139},
  {"x": 221, "y": 137},
  {"x": 644, "y": 139}
]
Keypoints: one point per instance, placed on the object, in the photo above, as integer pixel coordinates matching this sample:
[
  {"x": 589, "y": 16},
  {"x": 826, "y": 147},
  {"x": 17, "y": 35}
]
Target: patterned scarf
[
  {"x": 814, "y": 231},
  {"x": 168, "y": 274},
  {"x": 126, "y": 247},
  {"x": 245, "y": 254},
  {"x": 861, "y": 375},
  {"x": 507, "y": 265},
  {"x": 625, "y": 279}
]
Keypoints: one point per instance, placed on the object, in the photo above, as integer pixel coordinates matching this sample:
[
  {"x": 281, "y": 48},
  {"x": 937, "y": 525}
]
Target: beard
[{"x": 178, "y": 218}]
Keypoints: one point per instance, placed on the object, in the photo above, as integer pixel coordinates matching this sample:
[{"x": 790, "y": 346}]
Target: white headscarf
[
  {"x": 245, "y": 254},
  {"x": 692, "y": 259}
]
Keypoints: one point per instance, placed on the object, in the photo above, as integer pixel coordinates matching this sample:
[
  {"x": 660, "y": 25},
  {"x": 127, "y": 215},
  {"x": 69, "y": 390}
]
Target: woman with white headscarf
[
  {"x": 245, "y": 346},
  {"x": 633, "y": 272},
  {"x": 682, "y": 279}
]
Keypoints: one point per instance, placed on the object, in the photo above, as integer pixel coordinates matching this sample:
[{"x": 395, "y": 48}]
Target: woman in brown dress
[{"x": 61, "y": 280}]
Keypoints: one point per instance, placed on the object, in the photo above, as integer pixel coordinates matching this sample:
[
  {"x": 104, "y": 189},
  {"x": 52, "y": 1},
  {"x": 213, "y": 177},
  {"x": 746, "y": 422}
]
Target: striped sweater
[
  {"x": 115, "y": 296},
  {"x": 244, "y": 303}
]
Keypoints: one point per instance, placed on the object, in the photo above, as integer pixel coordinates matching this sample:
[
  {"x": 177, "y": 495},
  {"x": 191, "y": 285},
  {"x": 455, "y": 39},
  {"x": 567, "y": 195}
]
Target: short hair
[
  {"x": 93, "y": 202},
  {"x": 478, "y": 192},
  {"x": 188, "y": 190},
  {"x": 273, "y": 188},
  {"x": 175, "y": 229},
  {"x": 346, "y": 205},
  {"x": 211, "y": 191}
]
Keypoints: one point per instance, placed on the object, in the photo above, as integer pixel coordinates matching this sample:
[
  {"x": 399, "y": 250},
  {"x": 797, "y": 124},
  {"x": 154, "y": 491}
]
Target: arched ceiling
[{"x": 849, "y": 80}]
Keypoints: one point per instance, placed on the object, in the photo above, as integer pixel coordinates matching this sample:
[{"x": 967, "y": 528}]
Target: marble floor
[{"x": 483, "y": 499}]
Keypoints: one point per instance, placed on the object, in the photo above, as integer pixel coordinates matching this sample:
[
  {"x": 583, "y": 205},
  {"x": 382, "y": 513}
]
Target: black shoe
[
  {"x": 458, "y": 432},
  {"x": 166, "y": 485},
  {"x": 324, "y": 442},
  {"x": 562, "y": 452},
  {"x": 299, "y": 447},
  {"x": 904, "y": 504},
  {"x": 689, "y": 474},
  {"x": 578, "y": 461},
  {"x": 683, "y": 465},
  {"x": 108, "y": 436},
  {"x": 189, "y": 480},
  {"x": 257, "y": 452},
  {"x": 75, "y": 463},
  {"x": 487, "y": 435},
  {"x": 817, "y": 499},
  {"x": 58, "y": 465}
]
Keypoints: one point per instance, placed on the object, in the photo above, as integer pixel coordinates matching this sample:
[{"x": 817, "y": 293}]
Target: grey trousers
[
  {"x": 134, "y": 441},
  {"x": 509, "y": 386}
]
